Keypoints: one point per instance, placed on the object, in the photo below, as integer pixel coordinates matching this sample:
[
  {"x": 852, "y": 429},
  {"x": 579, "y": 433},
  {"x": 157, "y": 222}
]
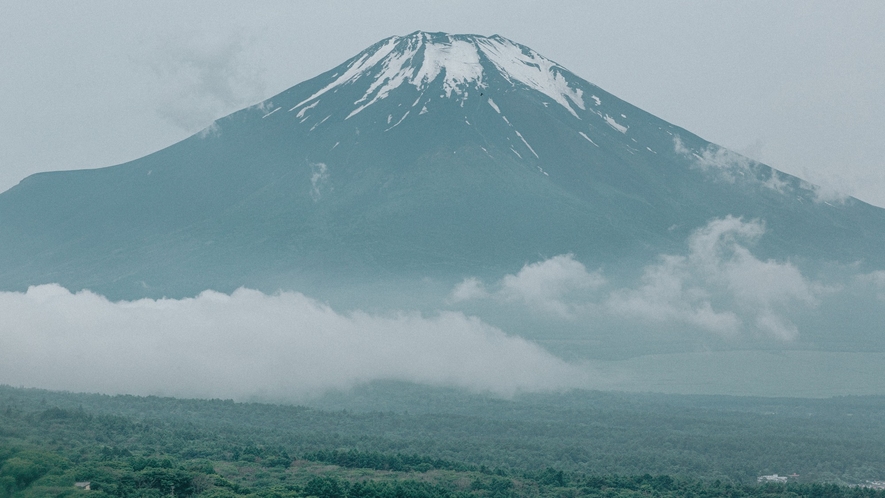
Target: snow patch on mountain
[
  {"x": 356, "y": 69},
  {"x": 457, "y": 60},
  {"x": 526, "y": 143},
  {"x": 531, "y": 69},
  {"x": 395, "y": 70},
  {"x": 588, "y": 138},
  {"x": 304, "y": 109},
  {"x": 321, "y": 122},
  {"x": 400, "y": 121},
  {"x": 460, "y": 61},
  {"x": 614, "y": 124},
  {"x": 271, "y": 112}
]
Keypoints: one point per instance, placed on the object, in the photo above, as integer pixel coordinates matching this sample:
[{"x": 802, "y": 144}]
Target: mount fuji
[{"x": 424, "y": 161}]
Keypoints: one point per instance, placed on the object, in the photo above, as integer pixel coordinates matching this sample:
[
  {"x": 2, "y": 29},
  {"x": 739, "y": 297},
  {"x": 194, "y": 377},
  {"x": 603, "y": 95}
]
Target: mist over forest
[{"x": 553, "y": 325}]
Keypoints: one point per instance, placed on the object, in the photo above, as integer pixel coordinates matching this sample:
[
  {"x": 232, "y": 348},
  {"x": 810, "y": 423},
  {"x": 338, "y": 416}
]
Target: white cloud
[
  {"x": 877, "y": 280},
  {"x": 213, "y": 130},
  {"x": 825, "y": 186},
  {"x": 203, "y": 77},
  {"x": 775, "y": 182},
  {"x": 727, "y": 165},
  {"x": 252, "y": 344},
  {"x": 548, "y": 285},
  {"x": 719, "y": 268},
  {"x": 667, "y": 294},
  {"x": 719, "y": 286},
  {"x": 319, "y": 177},
  {"x": 468, "y": 289}
]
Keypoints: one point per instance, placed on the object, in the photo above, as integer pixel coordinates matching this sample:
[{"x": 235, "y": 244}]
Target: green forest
[{"x": 401, "y": 440}]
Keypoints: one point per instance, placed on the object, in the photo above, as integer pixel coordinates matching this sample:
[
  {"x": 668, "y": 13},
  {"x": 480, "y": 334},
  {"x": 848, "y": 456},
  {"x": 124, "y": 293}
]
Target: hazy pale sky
[{"x": 797, "y": 85}]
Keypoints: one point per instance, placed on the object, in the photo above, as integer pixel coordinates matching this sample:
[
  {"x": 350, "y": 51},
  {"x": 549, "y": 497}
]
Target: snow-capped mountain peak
[
  {"x": 522, "y": 64},
  {"x": 426, "y": 155},
  {"x": 458, "y": 63}
]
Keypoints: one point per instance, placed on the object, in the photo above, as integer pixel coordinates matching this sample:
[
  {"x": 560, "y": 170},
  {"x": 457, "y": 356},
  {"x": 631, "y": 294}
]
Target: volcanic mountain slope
[{"x": 424, "y": 156}]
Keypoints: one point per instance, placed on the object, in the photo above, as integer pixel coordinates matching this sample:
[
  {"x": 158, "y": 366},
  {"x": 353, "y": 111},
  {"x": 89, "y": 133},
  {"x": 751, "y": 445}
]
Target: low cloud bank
[{"x": 250, "y": 344}]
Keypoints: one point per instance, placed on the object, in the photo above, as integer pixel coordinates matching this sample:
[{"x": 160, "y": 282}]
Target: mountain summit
[
  {"x": 427, "y": 156},
  {"x": 451, "y": 66}
]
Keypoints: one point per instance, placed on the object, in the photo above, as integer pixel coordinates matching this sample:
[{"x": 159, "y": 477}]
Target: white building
[{"x": 772, "y": 478}]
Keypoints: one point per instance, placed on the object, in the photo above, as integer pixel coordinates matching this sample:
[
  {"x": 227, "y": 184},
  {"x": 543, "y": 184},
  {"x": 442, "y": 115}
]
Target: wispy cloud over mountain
[
  {"x": 203, "y": 77},
  {"x": 549, "y": 286},
  {"x": 719, "y": 268},
  {"x": 718, "y": 286}
]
